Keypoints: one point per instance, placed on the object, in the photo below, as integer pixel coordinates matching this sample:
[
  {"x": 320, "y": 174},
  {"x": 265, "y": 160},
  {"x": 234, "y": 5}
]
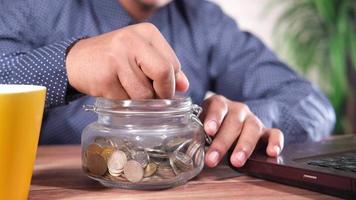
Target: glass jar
[{"x": 144, "y": 144}]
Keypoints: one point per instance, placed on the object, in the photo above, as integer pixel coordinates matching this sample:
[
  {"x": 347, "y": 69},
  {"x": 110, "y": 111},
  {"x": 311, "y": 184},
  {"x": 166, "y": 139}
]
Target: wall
[{"x": 251, "y": 16}]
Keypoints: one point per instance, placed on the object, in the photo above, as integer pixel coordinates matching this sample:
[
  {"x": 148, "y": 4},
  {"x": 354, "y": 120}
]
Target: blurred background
[{"x": 315, "y": 37}]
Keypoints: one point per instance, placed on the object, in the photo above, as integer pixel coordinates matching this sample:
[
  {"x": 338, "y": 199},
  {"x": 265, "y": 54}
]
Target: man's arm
[
  {"x": 21, "y": 63},
  {"x": 259, "y": 98},
  {"x": 132, "y": 62},
  {"x": 276, "y": 94},
  {"x": 244, "y": 69}
]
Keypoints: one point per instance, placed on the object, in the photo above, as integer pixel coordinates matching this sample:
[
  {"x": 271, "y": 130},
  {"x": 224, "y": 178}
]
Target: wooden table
[{"x": 58, "y": 175}]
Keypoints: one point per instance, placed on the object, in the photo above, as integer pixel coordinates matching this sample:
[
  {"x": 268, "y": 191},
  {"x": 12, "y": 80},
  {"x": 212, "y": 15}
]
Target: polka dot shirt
[{"x": 214, "y": 53}]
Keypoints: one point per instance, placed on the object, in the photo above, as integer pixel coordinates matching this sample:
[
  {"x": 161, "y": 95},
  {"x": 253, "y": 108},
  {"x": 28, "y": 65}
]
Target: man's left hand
[{"x": 232, "y": 123}]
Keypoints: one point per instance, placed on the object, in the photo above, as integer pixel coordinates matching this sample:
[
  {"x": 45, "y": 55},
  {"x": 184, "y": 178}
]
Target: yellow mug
[{"x": 21, "y": 111}]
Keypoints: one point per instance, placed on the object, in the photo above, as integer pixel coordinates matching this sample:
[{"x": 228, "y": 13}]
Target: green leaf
[
  {"x": 352, "y": 44},
  {"x": 326, "y": 9}
]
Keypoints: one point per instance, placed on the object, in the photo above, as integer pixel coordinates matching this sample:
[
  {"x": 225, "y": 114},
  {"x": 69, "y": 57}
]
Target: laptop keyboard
[{"x": 344, "y": 162}]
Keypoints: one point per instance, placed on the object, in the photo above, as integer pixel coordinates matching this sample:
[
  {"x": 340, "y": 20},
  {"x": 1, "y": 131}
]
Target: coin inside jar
[
  {"x": 199, "y": 157},
  {"x": 165, "y": 171},
  {"x": 116, "y": 162},
  {"x": 141, "y": 157},
  {"x": 96, "y": 164},
  {"x": 94, "y": 148},
  {"x": 182, "y": 161},
  {"x": 133, "y": 171},
  {"x": 192, "y": 149},
  {"x": 150, "y": 169},
  {"x": 106, "y": 152}
]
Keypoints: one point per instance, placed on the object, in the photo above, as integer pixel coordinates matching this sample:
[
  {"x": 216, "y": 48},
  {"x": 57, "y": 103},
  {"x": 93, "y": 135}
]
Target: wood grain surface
[{"x": 58, "y": 175}]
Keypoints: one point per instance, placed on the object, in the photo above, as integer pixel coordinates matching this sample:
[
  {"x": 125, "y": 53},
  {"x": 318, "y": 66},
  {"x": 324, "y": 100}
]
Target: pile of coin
[{"x": 116, "y": 159}]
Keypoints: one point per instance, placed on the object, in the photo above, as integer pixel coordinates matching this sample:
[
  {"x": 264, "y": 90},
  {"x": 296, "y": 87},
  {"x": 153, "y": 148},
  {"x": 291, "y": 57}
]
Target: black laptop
[{"x": 327, "y": 167}]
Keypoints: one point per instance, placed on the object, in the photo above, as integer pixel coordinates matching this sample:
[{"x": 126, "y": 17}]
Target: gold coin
[
  {"x": 94, "y": 148},
  {"x": 107, "y": 151},
  {"x": 96, "y": 164},
  {"x": 133, "y": 171},
  {"x": 150, "y": 169}
]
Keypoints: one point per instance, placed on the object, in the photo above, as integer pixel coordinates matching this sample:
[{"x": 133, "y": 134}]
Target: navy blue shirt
[{"x": 215, "y": 55}]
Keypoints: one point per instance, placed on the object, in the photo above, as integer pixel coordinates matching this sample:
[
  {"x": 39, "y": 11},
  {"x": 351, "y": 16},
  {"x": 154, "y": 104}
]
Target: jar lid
[{"x": 177, "y": 104}]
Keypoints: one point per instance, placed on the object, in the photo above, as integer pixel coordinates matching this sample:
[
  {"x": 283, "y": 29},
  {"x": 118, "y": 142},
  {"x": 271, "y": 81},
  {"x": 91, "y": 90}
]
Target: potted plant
[{"x": 319, "y": 37}]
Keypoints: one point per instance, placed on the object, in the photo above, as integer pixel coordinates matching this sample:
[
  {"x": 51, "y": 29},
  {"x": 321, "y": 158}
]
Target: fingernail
[
  {"x": 240, "y": 156},
  {"x": 214, "y": 157},
  {"x": 277, "y": 149},
  {"x": 212, "y": 127}
]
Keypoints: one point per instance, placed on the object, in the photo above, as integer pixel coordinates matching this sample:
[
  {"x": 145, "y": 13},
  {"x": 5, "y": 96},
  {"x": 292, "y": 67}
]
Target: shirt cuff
[{"x": 45, "y": 66}]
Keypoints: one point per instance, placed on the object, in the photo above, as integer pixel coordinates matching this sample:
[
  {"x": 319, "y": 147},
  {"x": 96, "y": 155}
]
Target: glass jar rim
[{"x": 178, "y": 104}]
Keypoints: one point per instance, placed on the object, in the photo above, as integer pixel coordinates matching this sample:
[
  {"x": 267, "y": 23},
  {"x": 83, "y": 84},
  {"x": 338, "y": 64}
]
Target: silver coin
[
  {"x": 142, "y": 157},
  {"x": 183, "y": 145},
  {"x": 182, "y": 161},
  {"x": 192, "y": 149},
  {"x": 156, "y": 153},
  {"x": 199, "y": 157}
]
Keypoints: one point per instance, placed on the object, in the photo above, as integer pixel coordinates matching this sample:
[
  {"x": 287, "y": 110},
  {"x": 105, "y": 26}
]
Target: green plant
[{"x": 320, "y": 36}]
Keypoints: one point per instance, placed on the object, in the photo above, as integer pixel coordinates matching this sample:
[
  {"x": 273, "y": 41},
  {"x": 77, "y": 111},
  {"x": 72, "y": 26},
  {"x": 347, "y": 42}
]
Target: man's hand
[
  {"x": 134, "y": 62},
  {"x": 231, "y": 122}
]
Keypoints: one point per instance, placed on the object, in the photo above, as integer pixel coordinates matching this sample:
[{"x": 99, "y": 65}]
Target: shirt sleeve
[
  {"x": 243, "y": 69},
  {"x": 23, "y": 61}
]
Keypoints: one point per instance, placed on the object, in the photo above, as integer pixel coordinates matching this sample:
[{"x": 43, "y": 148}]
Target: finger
[
  {"x": 151, "y": 33},
  {"x": 182, "y": 83},
  {"x": 250, "y": 135},
  {"x": 226, "y": 136},
  {"x": 275, "y": 142},
  {"x": 158, "y": 69},
  {"x": 135, "y": 83},
  {"x": 115, "y": 91},
  {"x": 157, "y": 40},
  {"x": 214, "y": 111}
]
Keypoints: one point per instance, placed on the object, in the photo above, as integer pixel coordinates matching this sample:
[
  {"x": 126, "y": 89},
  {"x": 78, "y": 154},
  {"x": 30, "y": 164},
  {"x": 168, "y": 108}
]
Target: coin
[
  {"x": 96, "y": 164},
  {"x": 173, "y": 165},
  {"x": 192, "y": 149},
  {"x": 165, "y": 171},
  {"x": 182, "y": 161},
  {"x": 94, "y": 148},
  {"x": 106, "y": 152},
  {"x": 150, "y": 169},
  {"x": 133, "y": 171},
  {"x": 199, "y": 157},
  {"x": 116, "y": 162},
  {"x": 172, "y": 144},
  {"x": 141, "y": 157},
  {"x": 101, "y": 140},
  {"x": 183, "y": 145},
  {"x": 156, "y": 153}
]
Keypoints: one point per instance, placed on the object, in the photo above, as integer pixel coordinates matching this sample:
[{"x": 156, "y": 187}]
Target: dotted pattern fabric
[
  {"x": 42, "y": 66},
  {"x": 214, "y": 53}
]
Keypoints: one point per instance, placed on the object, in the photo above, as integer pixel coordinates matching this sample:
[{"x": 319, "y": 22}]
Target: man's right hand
[{"x": 134, "y": 62}]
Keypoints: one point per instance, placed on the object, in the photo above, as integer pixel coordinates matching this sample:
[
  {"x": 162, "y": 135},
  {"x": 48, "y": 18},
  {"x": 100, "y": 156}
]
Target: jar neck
[{"x": 145, "y": 119}]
